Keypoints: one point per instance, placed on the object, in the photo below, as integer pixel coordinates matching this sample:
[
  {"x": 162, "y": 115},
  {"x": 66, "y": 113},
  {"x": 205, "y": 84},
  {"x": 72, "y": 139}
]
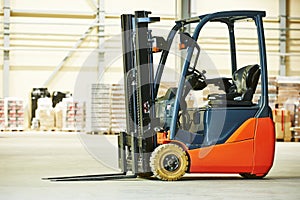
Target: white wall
[
  {"x": 294, "y": 45},
  {"x": 40, "y": 44},
  {"x": 31, "y": 67}
]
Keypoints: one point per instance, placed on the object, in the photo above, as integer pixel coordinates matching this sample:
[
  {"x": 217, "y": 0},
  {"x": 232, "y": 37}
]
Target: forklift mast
[{"x": 139, "y": 140}]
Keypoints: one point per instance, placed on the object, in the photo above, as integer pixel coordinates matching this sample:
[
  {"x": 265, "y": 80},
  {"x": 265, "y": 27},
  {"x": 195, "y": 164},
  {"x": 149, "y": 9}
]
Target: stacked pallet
[
  {"x": 296, "y": 122},
  {"x": 14, "y": 111},
  {"x": 73, "y": 116},
  {"x": 282, "y": 119},
  {"x": 59, "y": 110},
  {"x": 100, "y": 108},
  {"x": 45, "y": 114},
  {"x": 108, "y": 109},
  {"x": 288, "y": 90},
  {"x": 288, "y": 98},
  {"x": 272, "y": 91},
  {"x": 2, "y": 115},
  {"x": 118, "y": 112},
  {"x": 70, "y": 115}
]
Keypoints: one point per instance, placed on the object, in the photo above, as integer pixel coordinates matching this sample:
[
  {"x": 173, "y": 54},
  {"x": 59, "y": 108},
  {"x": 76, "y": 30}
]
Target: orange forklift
[{"x": 164, "y": 137}]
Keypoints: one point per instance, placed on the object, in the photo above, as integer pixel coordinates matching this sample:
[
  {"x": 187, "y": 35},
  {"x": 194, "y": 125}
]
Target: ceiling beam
[{"x": 52, "y": 14}]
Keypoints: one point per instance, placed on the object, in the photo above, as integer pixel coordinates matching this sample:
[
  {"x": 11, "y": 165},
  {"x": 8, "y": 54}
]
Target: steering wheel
[
  {"x": 200, "y": 75},
  {"x": 197, "y": 73},
  {"x": 196, "y": 79}
]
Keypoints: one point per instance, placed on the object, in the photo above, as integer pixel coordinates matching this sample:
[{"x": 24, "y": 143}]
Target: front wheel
[{"x": 169, "y": 162}]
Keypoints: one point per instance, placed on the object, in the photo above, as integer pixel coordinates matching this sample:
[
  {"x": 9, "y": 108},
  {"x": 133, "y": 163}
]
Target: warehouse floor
[{"x": 26, "y": 157}]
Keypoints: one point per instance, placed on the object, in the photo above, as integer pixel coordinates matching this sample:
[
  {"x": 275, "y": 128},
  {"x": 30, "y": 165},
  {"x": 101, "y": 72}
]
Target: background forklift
[{"x": 165, "y": 138}]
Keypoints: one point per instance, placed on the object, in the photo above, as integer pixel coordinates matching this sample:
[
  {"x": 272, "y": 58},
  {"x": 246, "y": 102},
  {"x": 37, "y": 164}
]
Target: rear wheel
[
  {"x": 169, "y": 162},
  {"x": 252, "y": 176}
]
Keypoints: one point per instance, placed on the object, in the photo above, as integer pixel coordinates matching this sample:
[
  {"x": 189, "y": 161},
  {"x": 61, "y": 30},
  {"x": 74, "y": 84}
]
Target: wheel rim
[{"x": 171, "y": 162}]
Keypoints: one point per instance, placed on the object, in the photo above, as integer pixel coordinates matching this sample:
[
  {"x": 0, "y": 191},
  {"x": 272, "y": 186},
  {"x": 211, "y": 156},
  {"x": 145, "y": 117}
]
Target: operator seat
[{"x": 240, "y": 93}]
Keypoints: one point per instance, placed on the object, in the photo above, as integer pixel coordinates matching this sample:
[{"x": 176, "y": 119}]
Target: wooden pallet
[
  {"x": 99, "y": 132},
  {"x": 296, "y": 139},
  {"x": 12, "y": 130},
  {"x": 284, "y": 140}
]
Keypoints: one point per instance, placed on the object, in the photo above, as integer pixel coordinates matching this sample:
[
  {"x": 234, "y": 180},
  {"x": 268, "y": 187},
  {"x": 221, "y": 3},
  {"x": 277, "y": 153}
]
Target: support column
[
  {"x": 183, "y": 10},
  {"x": 282, "y": 36},
  {"x": 6, "y": 40},
  {"x": 100, "y": 32}
]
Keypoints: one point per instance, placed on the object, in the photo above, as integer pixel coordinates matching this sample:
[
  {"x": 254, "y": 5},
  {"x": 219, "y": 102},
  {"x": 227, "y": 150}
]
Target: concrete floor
[{"x": 27, "y": 157}]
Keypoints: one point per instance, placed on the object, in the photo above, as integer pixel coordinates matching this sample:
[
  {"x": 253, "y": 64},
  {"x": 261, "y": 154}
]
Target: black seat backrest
[{"x": 245, "y": 82}]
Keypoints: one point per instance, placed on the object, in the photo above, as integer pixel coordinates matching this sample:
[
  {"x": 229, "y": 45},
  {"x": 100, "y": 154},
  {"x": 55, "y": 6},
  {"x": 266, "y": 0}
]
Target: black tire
[
  {"x": 169, "y": 162},
  {"x": 145, "y": 175},
  {"x": 252, "y": 176}
]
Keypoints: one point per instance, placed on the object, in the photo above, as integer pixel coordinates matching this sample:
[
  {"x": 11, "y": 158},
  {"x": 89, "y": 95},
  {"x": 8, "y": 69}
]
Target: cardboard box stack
[
  {"x": 59, "y": 110},
  {"x": 108, "y": 108},
  {"x": 272, "y": 91},
  {"x": 296, "y": 122},
  {"x": 118, "y": 112},
  {"x": 45, "y": 114},
  {"x": 100, "y": 108},
  {"x": 288, "y": 98},
  {"x": 14, "y": 114},
  {"x": 282, "y": 119},
  {"x": 2, "y": 115},
  {"x": 73, "y": 115},
  {"x": 288, "y": 90}
]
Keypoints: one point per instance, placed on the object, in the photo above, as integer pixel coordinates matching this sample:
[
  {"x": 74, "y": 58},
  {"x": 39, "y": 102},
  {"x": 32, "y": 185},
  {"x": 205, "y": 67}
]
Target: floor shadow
[{"x": 230, "y": 178}]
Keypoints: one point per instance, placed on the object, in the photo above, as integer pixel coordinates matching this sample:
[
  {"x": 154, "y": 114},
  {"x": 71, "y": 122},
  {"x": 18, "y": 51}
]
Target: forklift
[{"x": 165, "y": 138}]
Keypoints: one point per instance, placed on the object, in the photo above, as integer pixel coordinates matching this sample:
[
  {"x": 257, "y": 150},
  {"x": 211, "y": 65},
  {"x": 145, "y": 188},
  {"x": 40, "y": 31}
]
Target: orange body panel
[
  {"x": 222, "y": 158},
  {"x": 264, "y": 146},
  {"x": 250, "y": 149},
  {"x": 244, "y": 132}
]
